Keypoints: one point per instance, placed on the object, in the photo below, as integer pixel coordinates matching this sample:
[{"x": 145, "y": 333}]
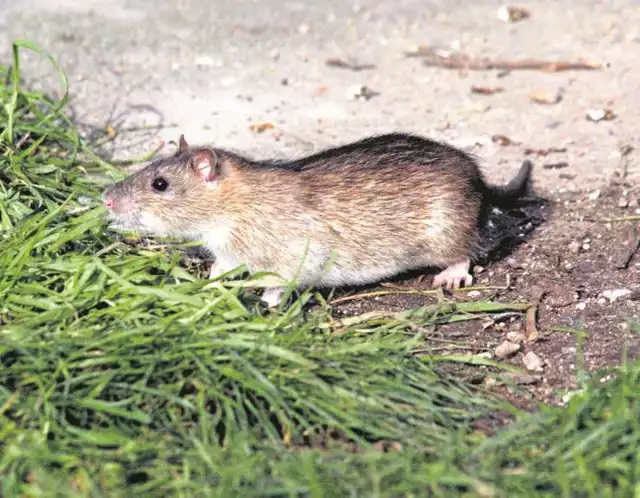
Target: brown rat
[{"x": 349, "y": 215}]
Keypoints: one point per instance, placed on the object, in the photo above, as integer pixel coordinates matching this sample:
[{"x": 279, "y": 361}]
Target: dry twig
[
  {"x": 396, "y": 291},
  {"x": 457, "y": 60}
]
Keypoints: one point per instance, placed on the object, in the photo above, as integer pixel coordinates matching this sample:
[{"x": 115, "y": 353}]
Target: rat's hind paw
[{"x": 454, "y": 276}]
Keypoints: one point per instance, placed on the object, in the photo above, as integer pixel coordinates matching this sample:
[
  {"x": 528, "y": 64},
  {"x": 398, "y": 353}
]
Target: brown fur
[{"x": 380, "y": 206}]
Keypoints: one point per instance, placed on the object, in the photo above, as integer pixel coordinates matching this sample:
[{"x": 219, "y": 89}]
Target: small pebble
[
  {"x": 614, "y": 294},
  {"x": 623, "y": 202},
  {"x": 474, "y": 294},
  {"x": 359, "y": 92},
  {"x": 581, "y": 306},
  {"x": 574, "y": 247},
  {"x": 594, "y": 195},
  {"x": 515, "y": 264},
  {"x": 515, "y": 336},
  {"x": 206, "y": 61},
  {"x": 507, "y": 349},
  {"x": 533, "y": 362},
  {"x": 527, "y": 379},
  {"x": 600, "y": 115},
  {"x": 595, "y": 114},
  {"x": 474, "y": 108},
  {"x": 489, "y": 381}
]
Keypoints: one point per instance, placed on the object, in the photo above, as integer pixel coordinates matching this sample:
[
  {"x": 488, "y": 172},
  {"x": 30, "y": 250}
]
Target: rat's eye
[{"x": 160, "y": 184}]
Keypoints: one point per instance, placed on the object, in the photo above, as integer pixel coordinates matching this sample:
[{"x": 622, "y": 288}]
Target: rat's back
[
  {"x": 394, "y": 203},
  {"x": 392, "y": 149}
]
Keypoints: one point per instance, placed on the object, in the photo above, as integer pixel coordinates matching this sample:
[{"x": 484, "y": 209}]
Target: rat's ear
[
  {"x": 183, "y": 146},
  {"x": 206, "y": 164}
]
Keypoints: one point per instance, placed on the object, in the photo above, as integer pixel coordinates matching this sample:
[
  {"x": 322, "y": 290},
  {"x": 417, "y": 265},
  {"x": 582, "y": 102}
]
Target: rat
[{"x": 349, "y": 215}]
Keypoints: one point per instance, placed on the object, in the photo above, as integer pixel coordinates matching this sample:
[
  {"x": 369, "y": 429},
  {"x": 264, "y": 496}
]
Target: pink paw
[
  {"x": 219, "y": 267},
  {"x": 454, "y": 276},
  {"x": 216, "y": 270},
  {"x": 272, "y": 296}
]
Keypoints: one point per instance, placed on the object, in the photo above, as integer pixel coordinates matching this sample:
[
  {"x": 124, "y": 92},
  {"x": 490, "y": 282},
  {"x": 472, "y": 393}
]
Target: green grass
[{"x": 123, "y": 374}]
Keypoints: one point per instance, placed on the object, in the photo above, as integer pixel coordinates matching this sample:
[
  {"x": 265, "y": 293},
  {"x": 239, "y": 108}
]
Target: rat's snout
[
  {"x": 107, "y": 199},
  {"x": 115, "y": 201}
]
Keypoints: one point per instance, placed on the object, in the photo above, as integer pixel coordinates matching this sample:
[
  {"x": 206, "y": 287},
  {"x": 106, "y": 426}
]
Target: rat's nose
[{"x": 107, "y": 199}]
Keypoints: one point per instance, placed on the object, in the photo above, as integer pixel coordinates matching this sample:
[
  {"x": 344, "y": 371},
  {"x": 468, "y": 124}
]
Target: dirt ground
[{"x": 584, "y": 274}]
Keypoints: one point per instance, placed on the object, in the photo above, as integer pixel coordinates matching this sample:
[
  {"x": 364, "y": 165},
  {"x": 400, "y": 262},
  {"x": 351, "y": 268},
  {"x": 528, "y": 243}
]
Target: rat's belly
[
  {"x": 354, "y": 271},
  {"x": 339, "y": 276},
  {"x": 336, "y": 264}
]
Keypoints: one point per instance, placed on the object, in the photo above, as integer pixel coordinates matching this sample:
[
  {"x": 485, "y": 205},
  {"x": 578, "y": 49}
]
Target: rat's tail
[{"x": 517, "y": 188}]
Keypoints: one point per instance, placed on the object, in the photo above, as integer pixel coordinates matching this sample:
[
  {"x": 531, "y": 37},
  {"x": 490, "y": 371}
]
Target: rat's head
[{"x": 175, "y": 195}]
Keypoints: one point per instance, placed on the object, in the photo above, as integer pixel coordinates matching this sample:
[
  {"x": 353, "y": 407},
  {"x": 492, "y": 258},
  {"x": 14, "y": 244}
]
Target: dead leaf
[
  {"x": 503, "y": 140},
  {"x": 261, "y": 127},
  {"x": 450, "y": 59},
  {"x": 111, "y": 131},
  {"x": 530, "y": 328}
]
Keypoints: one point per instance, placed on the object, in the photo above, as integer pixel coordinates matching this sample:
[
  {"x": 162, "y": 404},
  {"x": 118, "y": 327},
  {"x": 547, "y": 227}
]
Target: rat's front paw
[
  {"x": 454, "y": 276},
  {"x": 219, "y": 267},
  {"x": 272, "y": 296}
]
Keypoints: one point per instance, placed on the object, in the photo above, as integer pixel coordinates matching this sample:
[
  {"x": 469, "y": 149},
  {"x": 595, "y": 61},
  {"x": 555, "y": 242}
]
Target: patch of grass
[{"x": 123, "y": 374}]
